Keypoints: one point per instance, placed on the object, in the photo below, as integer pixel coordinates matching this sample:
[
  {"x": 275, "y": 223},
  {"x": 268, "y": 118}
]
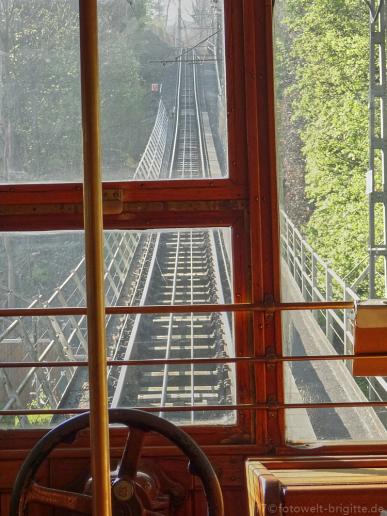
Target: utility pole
[{"x": 377, "y": 173}]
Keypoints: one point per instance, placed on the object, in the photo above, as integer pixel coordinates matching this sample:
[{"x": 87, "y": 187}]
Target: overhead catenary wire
[{"x": 187, "y": 50}]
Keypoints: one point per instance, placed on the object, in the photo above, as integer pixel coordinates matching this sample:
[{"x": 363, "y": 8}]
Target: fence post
[
  {"x": 294, "y": 253},
  {"x": 345, "y": 321},
  {"x": 314, "y": 284},
  {"x": 328, "y": 297},
  {"x": 303, "y": 271},
  {"x": 287, "y": 243}
]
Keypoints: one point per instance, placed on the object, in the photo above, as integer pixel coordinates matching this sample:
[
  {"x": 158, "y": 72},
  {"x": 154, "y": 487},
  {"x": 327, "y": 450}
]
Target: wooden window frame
[
  {"x": 246, "y": 202},
  {"x": 193, "y": 203}
]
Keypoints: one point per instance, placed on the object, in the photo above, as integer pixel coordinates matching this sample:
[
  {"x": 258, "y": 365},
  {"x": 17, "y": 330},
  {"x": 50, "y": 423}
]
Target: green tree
[
  {"x": 329, "y": 55},
  {"x": 40, "y": 83}
]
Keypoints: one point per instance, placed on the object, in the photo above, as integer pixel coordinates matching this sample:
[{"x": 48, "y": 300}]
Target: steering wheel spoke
[
  {"x": 130, "y": 457},
  {"x": 79, "y": 502}
]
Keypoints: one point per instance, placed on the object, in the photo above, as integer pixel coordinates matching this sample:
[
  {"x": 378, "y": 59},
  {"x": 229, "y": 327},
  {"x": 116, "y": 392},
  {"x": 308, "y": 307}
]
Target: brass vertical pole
[{"x": 92, "y": 198}]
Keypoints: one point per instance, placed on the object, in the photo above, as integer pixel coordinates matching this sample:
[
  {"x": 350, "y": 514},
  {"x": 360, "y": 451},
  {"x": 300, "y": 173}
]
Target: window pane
[
  {"x": 192, "y": 266},
  {"x": 162, "y": 90},
  {"x": 328, "y": 332},
  {"x": 322, "y": 74},
  {"x": 178, "y": 267},
  {"x": 187, "y": 266},
  {"x": 330, "y": 113},
  {"x": 163, "y": 109},
  {"x": 40, "y": 131},
  {"x": 34, "y": 265}
]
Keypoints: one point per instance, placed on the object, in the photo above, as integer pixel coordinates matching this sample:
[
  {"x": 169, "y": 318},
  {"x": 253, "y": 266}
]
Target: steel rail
[
  {"x": 198, "y": 123},
  {"x": 183, "y": 133},
  {"x": 148, "y": 248},
  {"x": 192, "y": 331},
  {"x": 177, "y": 115},
  {"x": 130, "y": 343},
  {"x": 185, "y": 162},
  {"x": 171, "y": 326},
  {"x": 164, "y": 386}
]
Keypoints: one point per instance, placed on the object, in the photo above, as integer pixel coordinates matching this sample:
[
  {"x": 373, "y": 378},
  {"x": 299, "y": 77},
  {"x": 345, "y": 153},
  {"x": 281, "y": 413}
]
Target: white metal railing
[
  {"x": 151, "y": 161},
  {"x": 54, "y": 338},
  {"x": 318, "y": 282}
]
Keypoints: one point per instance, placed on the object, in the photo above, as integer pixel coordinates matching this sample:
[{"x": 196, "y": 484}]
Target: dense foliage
[
  {"x": 40, "y": 87},
  {"x": 322, "y": 87}
]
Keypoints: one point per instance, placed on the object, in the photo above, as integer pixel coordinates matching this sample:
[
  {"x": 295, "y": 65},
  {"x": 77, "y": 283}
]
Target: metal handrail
[
  {"x": 57, "y": 338},
  {"x": 151, "y": 160},
  {"x": 318, "y": 282}
]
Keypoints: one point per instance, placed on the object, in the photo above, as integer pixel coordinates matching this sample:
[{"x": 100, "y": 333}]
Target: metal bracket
[{"x": 112, "y": 201}]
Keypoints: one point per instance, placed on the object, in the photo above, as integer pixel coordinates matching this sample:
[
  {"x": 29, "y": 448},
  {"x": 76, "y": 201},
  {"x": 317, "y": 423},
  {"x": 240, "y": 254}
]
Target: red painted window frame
[{"x": 254, "y": 221}]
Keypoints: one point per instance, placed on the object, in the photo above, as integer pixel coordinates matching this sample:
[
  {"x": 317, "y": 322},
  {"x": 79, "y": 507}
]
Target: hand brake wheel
[{"x": 123, "y": 490}]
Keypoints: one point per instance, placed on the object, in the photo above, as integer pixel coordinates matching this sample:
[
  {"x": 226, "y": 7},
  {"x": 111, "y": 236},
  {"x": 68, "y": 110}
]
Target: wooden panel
[
  {"x": 230, "y": 470},
  {"x": 331, "y": 476},
  {"x": 235, "y": 502},
  {"x": 34, "y": 510},
  {"x": 4, "y": 504},
  {"x": 278, "y": 486},
  {"x": 70, "y": 472},
  {"x": 8, "y": 473}
]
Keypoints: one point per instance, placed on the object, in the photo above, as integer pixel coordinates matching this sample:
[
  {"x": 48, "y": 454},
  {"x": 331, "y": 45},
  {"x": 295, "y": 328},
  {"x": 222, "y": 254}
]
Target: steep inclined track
[
  {"x": 181, "y": 272},
  {"x": 182, "y": 266},
  {"x": 184, "y": 269},
  {"x": 175, "y": 267},
  {"x": 188, "y": 150}
]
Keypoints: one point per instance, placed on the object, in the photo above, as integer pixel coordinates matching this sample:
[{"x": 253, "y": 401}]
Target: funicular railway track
[
  {"x": 188, "y": 156},
  {"x": 170, "y": 267},
  {"x": 184, "y": 266},
  {"x": 184, "y": 269},
  {"x": 182, "y": 272}
]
